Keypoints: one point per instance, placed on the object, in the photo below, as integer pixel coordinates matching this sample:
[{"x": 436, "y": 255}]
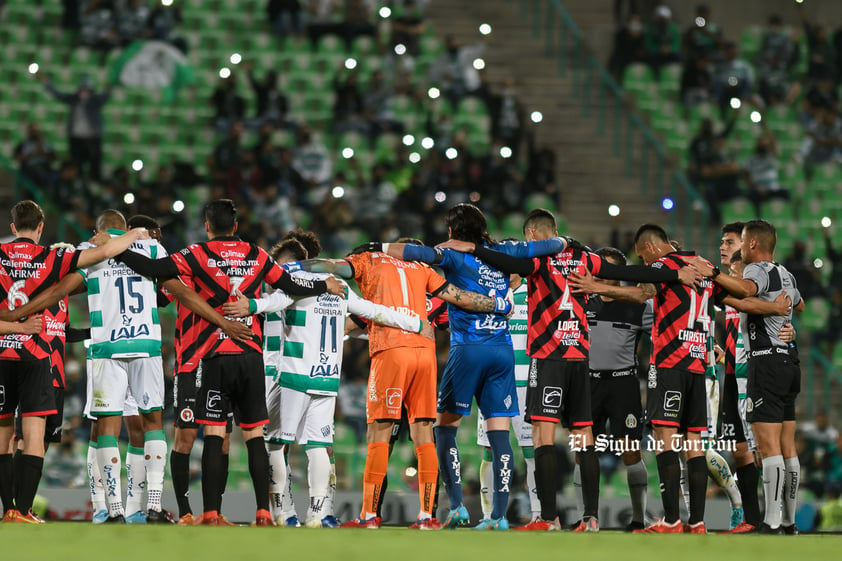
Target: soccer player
[
  {"x": 774, "y": 376},
  {"x": 231, "y": 372},
  {"x": 26, "y": 269},
  {"x": 308, "y": 366},
  {"x": 403, "y": 368},
  {"x": 558, "y": 387}
]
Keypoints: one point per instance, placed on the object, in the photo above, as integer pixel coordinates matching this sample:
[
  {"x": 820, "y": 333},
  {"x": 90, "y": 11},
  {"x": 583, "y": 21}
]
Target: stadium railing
[{"x": 644, "y": 154}]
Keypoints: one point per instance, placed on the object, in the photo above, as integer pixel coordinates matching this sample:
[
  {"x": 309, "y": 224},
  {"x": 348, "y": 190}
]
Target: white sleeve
[
  {"x": 273, "y": 302},
  {"x": 382, "y": 314}
]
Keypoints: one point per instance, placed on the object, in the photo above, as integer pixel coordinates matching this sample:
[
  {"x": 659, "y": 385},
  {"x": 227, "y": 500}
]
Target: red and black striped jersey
[
  {"x": 732, "y": 332},
  {"x": 219, "y": 268},
  {"x": 189, "y": 333},
  {"x": 55, "y": 329},
  {"x": 437, "y": 312},
  {"x": 558, "y": 321},
  {"x": 27, "y": 269},
  {"x": 683, "y": 317}
]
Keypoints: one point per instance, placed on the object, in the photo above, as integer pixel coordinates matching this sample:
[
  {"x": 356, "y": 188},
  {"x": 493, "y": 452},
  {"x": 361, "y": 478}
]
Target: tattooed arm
[{"x": 471, "y": 301}]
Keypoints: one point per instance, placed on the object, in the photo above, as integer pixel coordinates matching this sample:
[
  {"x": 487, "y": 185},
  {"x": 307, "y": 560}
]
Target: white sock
[
  {"x": 486, "y": 484},
  {"x": 155, "y": 451},
  {"x": 135, "y": 479},
  {"x": 287, "y": 502},
  {"x": 721, "y": 473},
  {"x": 95, "y": 480},
  {"x": 331, "y": 490},
  {"x": 580, "y": 499},
  {"x": 277, "y": 477},
  {"x": 534, "y": 503},
  {"x": 793, "y": 475},
  {"x": 774, "y": 475},
  {"x": 638, "y": 481},
  {"x": 108, "y": 456},
  {"x": 318, "y": 480},
  {"x": 685, "y": 485}
]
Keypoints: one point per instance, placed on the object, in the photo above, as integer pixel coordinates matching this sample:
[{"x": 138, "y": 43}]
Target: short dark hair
[
  {"x": 763, "y": 232},
  {"x": 733, "y": 228},
  {"x": 308, "y": 240},
  {"x": 221, "y": 216},
  {"x": 540, "y": 218},
  {"x": 27, "y": 215},
  {"x": 110, "y": 218},
  {"x": 652, "y": 231},
  {"x": 143, "y": 221},
  {"x": 467, "y": 223},
  {"x": 613, "y": 254},
  {"x": 291, "y": 246}
]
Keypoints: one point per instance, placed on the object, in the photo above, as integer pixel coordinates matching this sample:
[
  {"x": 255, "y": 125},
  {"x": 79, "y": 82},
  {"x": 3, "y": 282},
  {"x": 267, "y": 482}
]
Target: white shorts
[
  {"x": 272, "y": 430},
  {"x": 522, "y": 429},
  {"x": 306, "y": 418},
  {"x": 113, "y": 381},
  {"x": 129, "y": 406}
]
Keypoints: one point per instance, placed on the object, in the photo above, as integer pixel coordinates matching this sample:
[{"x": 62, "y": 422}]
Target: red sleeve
[
  {"x": 594, "y": 263},
  {"x": 66, "y": 260},
  {"x": 180, "y": 261}
]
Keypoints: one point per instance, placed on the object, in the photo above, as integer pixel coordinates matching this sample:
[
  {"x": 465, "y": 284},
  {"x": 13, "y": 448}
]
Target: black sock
[
  {"x": 7, "y": 477},
  {"x": 697, "y": 482},
  {"x": 589, "y": 468},
  {"x": 180, "y": 469},
  {"x": 747, "y": 479},
  {"x": 27, "y": 476},
  {"x": 259, "y": 471},
  {"x": 223, "y": 483},
  {"x": 669, "y": 471},
  {"x": 546, "y": 474},
  {"x": 211, "y": 473},
  {"x": 382, "y": 496},
  {"x": 15, "y": 467}
]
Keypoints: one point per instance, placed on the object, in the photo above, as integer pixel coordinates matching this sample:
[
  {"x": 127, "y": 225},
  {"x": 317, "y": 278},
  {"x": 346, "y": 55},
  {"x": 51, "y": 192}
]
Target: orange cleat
[
  {"x": 187, "y": 520},
  {"x": 9, "y": 516},
  {"x": 661, "y": 527},
  {"x": 360, "y": 523},
  {"x": 209, "y": 518},
  {"x": 697, "y": 528},
  {"x": 262, "y": 518},
  {"x": 741, "y": 528},
  {"x": 587, "y": 525},
  {"x": 223, "y": 521},
  {"x": 28, "y": 518},
  {"x": 541, "y": 525},
  {"x": 426, "y": 524}
]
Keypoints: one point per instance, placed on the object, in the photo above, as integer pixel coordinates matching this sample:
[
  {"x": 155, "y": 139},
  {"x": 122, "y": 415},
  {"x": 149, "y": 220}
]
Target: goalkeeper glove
[
  {"x": 502, "y": 305},
  {"x": 573, "y": 243},
  {"x": 367, "y": 247}
]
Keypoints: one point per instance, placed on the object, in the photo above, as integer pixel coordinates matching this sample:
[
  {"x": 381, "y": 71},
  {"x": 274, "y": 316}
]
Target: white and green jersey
[
  {"x": 741, "y": 366},
  {"x": 314, "y": 329},
  {"x": 274, "y": 326},
  {"x": 518, "y": 329},
  {"x": 123, "y": 306}
]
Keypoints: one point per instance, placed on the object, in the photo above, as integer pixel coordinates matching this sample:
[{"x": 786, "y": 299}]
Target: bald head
[{"x": 111, "y": 219}]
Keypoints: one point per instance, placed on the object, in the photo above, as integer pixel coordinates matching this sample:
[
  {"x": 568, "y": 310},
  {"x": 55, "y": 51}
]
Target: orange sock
[
  {"x": 428, "y": 470},
  {"x": 376, "y": 463}
]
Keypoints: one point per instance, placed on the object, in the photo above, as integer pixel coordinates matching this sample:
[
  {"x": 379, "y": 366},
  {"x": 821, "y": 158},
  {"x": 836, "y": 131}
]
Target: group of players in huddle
[{"x": 541, "y": 333}]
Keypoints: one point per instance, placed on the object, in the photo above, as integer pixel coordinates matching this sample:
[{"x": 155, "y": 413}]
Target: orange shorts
[{"x": 402, "y": 377}]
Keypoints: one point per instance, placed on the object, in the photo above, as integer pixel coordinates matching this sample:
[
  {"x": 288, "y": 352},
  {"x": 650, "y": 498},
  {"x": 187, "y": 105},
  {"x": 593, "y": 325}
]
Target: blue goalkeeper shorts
[{"x": 484, "y": 372}]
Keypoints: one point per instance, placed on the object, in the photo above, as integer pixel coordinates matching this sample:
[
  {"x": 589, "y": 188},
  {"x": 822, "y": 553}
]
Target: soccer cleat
[
  {"x": 541, "y": 525},
  {"x": 159, "y": 517},
  {"x": 187, "y": 520},
  {"x": 313, "y": 523},
  {"x": 330, "y": 521},
  {"x": 791, "y": 530},
  {"x": 138, "y": 517},
  {"x": 222, "y": 520},
  {"x": 766, "y": 529},
  {"x": 289, "y": 521},
  {"x": 209, "y": 518},
  {"x": 119, "y": 519},
  {"x": 100, "y": 516},
  {"x": 697, "y": 528},
  {"x": 661, "y": 527},
  {"x": 360, "y": 523},
  {"x": 742, "y": 528},
  {"x": 737, "y": 516},
  {"x": 263, "y": 518},
  {"x": 18, "y": 518},
  {"x": 9, "y": 516},
  {"x": 590, "y": 524},
  {"x": 634, "y": 525},
  {"x": 426, "y": 524},
  {"x": 456, "y": 517},
  {"x": 492, "y": 524}
]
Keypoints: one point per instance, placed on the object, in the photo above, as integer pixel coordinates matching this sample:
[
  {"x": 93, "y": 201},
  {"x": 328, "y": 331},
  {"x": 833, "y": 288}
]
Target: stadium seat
[
  {"x": 736, "y": 210},
  {"x": 636, "y": 77},
  {"x": 750, "y": 41}
]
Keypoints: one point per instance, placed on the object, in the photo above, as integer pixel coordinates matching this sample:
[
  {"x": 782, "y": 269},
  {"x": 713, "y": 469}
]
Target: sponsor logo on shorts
[
  {"x": 631, "y": 421},
  {"x": 325, "y": 430},
  {"x": 145, "y": 399},
  {"x": 507, "y": 401},
  {"x": 213, "y": 402},
  {"x": 551, "y": 397},
  {"x": 652, "y": 377},
  {"x": 533, "y": 373},
  {"x": 394, "y": 397},
  {"x": 672, "y": 401},
  {"x": 186, "y": 415}
]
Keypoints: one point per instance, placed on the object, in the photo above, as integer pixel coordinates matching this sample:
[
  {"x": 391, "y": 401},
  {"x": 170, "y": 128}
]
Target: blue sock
[
  {"x": 449, "y": 463},
  {"x": 501, "y": 450}
]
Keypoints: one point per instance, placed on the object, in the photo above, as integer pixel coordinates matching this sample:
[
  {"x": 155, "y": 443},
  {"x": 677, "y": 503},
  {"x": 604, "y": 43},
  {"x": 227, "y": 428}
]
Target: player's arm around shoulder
[
  {"x": 741, "y": 288},
  {"x": 383, "y": 315},
  {"x": 111, "y": 248}
]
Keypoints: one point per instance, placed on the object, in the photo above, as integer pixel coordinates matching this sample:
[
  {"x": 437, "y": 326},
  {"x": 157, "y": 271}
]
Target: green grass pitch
[{"x": 76, "y": 540}]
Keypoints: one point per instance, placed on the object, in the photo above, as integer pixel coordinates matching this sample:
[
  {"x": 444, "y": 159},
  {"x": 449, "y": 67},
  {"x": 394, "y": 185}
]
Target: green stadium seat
[
  {"x": 737, "y": 210},
  {"x": 670, "y": 81},
  {"x": 777, "y": 211},
  {"x": 750, "y": 41},
  {"x": 815, "y": 316},
  {"x": 636, "y": 77}
]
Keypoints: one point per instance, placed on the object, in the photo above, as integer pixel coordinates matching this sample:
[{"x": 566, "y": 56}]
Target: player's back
[
  {"x": 615, "y": 328},
  {"x": 762, "y": 331},
  {"x": 401, "y": 285}
]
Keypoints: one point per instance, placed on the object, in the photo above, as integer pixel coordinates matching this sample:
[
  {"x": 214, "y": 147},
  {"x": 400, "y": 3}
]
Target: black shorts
[
  {"x": 184, "y": 400},
  {"x": 226, "y": 383},
  {"x": 559, "y": 391},
  {"x": 26, "y": 385},
  {"x": 677, "y": 398},
  {"x": 774, "y": 382},
  {"x": 52, "y": 431},
  {"x": 615, "y": 403},
  {"x": 732, "y": 423}
]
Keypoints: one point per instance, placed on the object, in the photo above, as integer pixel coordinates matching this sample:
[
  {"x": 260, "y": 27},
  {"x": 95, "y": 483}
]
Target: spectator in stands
[
  {"x": 320, "y": 20},
  {"x": 310, "y": 159},
  {"x": 712, "y": 167},
  {"x": 629, "y": 46},
  {"x": 132, "y": 18},
  {"x": 760, "y": 173},
  {"x": 84, "y": 124},
  {"x": 540, "y": 169},
  {"x": 832, "y": 332},
  {"x": 815, "y": 457},
  {"x": 284, "y": 17},
  {"x": 834, "y": 256},
  {"x": 229, "y": 106},
  {"x": 777, "y": 45},
  {"x": 663, "y": 40},
  {"x": 274, "y": 213},
  {"x": 820, "y": 50},
  {"x": 821, "y": 95},
  {"x": 454, "y": 71},
  {"x": 774, "y": 85},
  {"x": 824, "y": 139},
  {"x": 829, "y": 515},
  {"x": 408, "y": 27},
  {"x": 35, "y": 158},
  {"x": 332, "y": 219},
  {"x": 357, "y": 22},
  {"x": 501, "y": 185},
  {"x": 802, "y": 268},
  {"x": 289, "y": 181},
  {"x": 163, "y": 23},
  {"x": 378, "y": 108},
  {"x": 348, "y": 106},
  {"x": 696, "y": 81},
  {"x": 704, "y": 37},
  {"x": 227, "y": 160},
  {"x": 734, "y": 78},
  {"x": 271, "y": 104},
  {"x": 507, "y": 113},
  {"x": 99, "y": 26}
]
